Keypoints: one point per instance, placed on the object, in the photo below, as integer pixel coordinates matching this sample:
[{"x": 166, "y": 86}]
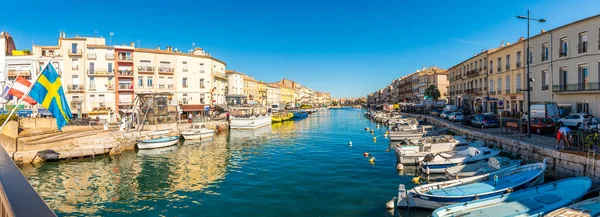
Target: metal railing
[
  {"x": 545, "y": 87},
  {"x": 75, "y": 52},
  {"x": 170, "y": 86},
  {"x": 91, "y": 56},
  {"x": 74, "y": 87},
  {"x": 145, "y": 69},
  {"x": 562, "y": 53},
  {"x": 125, "y": 87},
  {"x": 126, "y": 72},
  {"x": 101, "y": 72},
  {"x": 583, "y": 86},
  {"x": 499, "y": 68},
  {"x": 110, "y": 87},
  {"x": 14, "y": 73},
  {"x": 165, "y": 69},
  {"x": 518, "y": 64},
  {"x": 582, "y": 47},
  {"x": 17, "y": 196},
  {"x": 124, "y": 58}
]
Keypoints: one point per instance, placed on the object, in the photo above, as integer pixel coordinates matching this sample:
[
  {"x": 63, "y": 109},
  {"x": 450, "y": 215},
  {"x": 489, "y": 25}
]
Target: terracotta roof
[
  {"x": 146, "y": 50},
  {"x": 99, "y": 46}
]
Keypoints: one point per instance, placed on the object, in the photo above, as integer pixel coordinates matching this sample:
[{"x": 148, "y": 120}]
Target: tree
[{"x": 433, "y": 92}]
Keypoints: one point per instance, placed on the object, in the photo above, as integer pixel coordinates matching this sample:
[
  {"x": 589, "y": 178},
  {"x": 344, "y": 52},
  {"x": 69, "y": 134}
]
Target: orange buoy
[{"x": 366, "y": 154}]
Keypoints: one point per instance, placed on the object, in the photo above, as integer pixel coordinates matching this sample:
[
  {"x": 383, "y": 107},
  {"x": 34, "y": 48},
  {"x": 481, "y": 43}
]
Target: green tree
[{"x": 433, "y": 92}]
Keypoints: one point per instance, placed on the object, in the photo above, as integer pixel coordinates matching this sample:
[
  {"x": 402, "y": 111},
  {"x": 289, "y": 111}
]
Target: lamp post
[{"x": 528, "y": 18}]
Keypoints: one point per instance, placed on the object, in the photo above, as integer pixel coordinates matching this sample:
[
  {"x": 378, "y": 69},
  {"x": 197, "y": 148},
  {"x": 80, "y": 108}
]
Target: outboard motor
[{"x": 428, "y": 158}]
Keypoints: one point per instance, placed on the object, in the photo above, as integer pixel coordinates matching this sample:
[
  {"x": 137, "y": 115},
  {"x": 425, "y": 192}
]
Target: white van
[
  {"x": 451, "y": 108},
  {"x": 547, "y": 110},
  {"x": 275, "y": 108}
]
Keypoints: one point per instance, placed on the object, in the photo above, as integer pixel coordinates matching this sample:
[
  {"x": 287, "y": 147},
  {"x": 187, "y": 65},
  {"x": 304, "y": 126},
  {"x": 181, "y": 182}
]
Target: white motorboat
[
  {"x": 197, "y": 131},
  {"x": 413, "y": 154},
  {"x": 249, "y": 117},
  {"x": 481, "y": 167},
  {"x": 439, "y": 162},
  {"x": 157, "y": 143}
]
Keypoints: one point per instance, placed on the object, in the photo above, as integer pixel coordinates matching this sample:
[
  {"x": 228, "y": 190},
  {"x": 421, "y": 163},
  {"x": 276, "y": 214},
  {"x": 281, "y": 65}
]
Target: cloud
[{"x": 468, "y": 42}]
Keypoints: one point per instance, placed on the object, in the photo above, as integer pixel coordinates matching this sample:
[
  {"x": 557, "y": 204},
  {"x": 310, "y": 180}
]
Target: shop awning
[
  {"x": 192, "y": 108},
  {"x": 44, "y": 112},
  {"x": 222, "y": 106}
]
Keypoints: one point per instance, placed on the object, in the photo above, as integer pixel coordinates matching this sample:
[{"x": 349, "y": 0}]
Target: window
[
  {"x": 562, "y": 51},
  {"x": 499, "y": 64},
  {"x": 507, "y": 84},
  {"x": 201, "y": 98},
  {"x": 75, "y": 64},
  {"x": 124, "y": 56},
  {"x": 185, "y": 66},
  {"x": 499, "y": 85},
  {"x": 161, "y": 82},
  {"x": 507, "y": 62},
  {"x": 492, "y": 85},
  {"x": 110, "y": 68},
  {"x": 184, "y": 99},
  {"x": 165, "y": 67},
  {"x": 491, "y": 66},
  {"x": 583, "y": 42},
  {"x": 75, "y": 80},
  {"x": 150, "y": 83},
  {"x": 480, "y": 64},
  {"x": 184, "y": 82},
  {"x": 140, "y": 81},
  {"x": 562, "y": 72},
  {"x": 91, "y": 69},
  {"x": 484, "y": 62},
  {"x": 583, "y": 77},
  {"x": 92, "y": 82},
  {"x": 582, "y": 107},
  {"x": 92, "y": 98},
  {"x": 475, "y": 66},
  {"x": 530, "y": 57},
  {"x": 201, "y": 82},
  {"x": 518, "y": 82},
  {"x": 201, "y": 67},
  {"x": 101, "y": 98},
  {"x": 74, "y": 48},
  {"x": 170, "y": 82},
  {"x": 544, "y": 52},
  {"x": 518, "y": 59}
]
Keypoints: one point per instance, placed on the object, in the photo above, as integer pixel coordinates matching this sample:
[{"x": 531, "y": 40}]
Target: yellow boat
[
  {"x": 287, "y": 116},
  {"x": 276, "y": 118}
]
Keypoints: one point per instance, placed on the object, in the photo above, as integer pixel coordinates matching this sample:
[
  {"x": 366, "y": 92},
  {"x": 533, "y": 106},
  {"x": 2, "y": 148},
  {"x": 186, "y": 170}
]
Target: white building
[{"x": 235, "y": 87}]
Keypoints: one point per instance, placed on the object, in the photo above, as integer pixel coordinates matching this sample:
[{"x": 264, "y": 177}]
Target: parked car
[
  {"x": 436, "y": 112},
  {"x": 485, "y": 120},
  {"x": 455, "y": 116},
  {"x": 466, "y": 120},
  {"x": 574, "y": 120},
  {"x": 542, "y": 125},
  {"x": 445, "y": 114},
  {"x": 548, "y": 110},
  {"x": 466, "y": 111}
]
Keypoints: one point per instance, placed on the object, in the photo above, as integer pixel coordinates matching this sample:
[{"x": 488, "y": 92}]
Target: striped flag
[
  {"x": 5, "y": 97},
  {"x": 20, "y": 88}
]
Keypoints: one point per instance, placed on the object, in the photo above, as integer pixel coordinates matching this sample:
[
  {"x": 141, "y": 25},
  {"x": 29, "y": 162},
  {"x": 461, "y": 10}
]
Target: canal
[{"x": 301, "y": 168}]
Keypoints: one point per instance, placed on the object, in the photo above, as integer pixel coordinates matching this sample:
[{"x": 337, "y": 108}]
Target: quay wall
[{"x": 559, "y": 163}]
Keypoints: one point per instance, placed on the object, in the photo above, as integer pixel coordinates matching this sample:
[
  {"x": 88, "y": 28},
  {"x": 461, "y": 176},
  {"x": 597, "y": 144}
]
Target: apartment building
[
  {"x": 273, "y": 94},
  {"x": 468, "y": 85},
  {"x": 506, "y": 78},
  {"x": 235, "y": 87},
  {"x": 262, "y": 92},
  {"x": 565, "y": 66},
  {"x": 251, "y": 89},
  {"x": 439, "y": 78}
]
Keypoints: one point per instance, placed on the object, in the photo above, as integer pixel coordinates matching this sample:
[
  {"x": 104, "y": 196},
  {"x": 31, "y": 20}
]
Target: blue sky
[{"x": 349, "y": 48}]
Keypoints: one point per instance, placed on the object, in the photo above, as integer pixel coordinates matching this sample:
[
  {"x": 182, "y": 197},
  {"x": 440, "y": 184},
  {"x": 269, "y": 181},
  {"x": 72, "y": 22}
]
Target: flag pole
[{"x": 26, "y": 94}]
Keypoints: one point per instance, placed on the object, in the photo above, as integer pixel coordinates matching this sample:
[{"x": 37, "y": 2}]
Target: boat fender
[
  {"x": 366, "y": 154},
  {"x": 400, "y": 167},
  {"x": 509, "y": 190},
  {"x": 495, "y": 180},
  {"x": 350, "y": 143},
  {"x": 476, "y": 197}
]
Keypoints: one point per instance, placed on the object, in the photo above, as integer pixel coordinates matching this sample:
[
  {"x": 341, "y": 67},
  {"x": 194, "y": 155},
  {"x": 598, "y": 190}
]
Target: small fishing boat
[
  {"x": 586, "y": 208},
  {"x": 435, "y": 195},
  {"x": 286, "y": 116},
  {"x": 481, "y": 167},
  {"x": 299, "y": 114},
  {"x": 534, "y": 201},
  {"x": 276, "y": 118},
  {"x": 197, "y": 131},
  {"x": 437, "y": 163},
  {"x": 413, "y": 154},
  {"x": 249, "y": 117},
  {"x": 157, "y": 143}
]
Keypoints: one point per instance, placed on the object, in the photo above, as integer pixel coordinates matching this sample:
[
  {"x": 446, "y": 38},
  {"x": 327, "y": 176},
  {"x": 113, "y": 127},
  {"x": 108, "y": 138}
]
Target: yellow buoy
[
  {"x": 374, "y": 139},
  {"x": 372, "y": 160},
  {"x": 416, "y": 179}
]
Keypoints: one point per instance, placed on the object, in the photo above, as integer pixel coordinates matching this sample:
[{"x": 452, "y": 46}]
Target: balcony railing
[
  {"x": 582, "y": 47},
  {"x": 125, "y": 72},
  {"x": 101, "y": 72},
  {"x": 589, "y": 86},
  {"x": 499, "y": 69},
  {"x": 91, "y": 56},
  {"x": 75, "y": 87},
  {"x": 499, "y": 91},
  {"x": 125, "y": 101},
  {"x": 184, "y": 70},
  {"x": 491, "y": 70},
  {"x": 518, "y": 64},
  {"x": 491, "y": 92},
  {"x": 161, "y": 86},
  {"x": 145, "y": 69},
  {"x": 544, "y": 57},
  {"x": 507, "y": 67},
  {"x": 75, "y": 52},
  {"x": 165, "y": 69},
  {"x": 519, "y": 89},
  {"x": 125, "y": 86},
  {"x": 544, "y": 87},
  {"x": 562, "y": 53},
  {"x": 170, "y": 86},
  {"x": 124, "y": 58},
  {"x": 14, "y": 73},
  {"x": 110, "y": 56},
  {"x": 472, "y": 73}
]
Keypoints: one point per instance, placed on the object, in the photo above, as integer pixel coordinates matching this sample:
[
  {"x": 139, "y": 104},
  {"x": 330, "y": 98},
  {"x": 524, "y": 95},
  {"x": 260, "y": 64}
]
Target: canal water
[{"x": 301, "y": 168}]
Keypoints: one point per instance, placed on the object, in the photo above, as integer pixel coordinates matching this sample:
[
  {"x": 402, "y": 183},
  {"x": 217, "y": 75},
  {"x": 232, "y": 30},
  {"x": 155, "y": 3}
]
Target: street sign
[{"x": 501, "y": 103}]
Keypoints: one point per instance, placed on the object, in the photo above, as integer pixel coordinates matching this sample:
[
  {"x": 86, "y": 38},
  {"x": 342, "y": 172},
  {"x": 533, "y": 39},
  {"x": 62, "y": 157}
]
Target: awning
[
  {"x": 192, "y": 108},
  {"x": 44, "y": 112},
  {"x": 24, "y": 112},
  {"x": 222, "y": 106}
]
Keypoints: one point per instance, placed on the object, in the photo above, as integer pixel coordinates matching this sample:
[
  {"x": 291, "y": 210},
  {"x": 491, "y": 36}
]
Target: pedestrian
[
  {"x": 190, "y": 117},
  {"x": 562, "y": 134},
  {"x": 227, "y": 116}
]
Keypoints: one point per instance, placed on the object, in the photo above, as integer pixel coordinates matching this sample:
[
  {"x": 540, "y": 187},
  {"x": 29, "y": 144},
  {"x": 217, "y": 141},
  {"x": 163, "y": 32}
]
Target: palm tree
[{"x": 432, "y": 91}]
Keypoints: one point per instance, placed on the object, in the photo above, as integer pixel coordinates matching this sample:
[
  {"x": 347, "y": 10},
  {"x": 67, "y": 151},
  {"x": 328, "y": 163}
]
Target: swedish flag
[{"x": 48, "y": 91}]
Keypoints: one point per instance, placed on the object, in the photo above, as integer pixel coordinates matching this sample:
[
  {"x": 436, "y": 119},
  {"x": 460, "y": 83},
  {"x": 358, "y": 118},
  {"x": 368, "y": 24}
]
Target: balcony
[
  {"x": 582, "y": 47},
  {"x": 544, "y": 57},
  {"x": 165, "y": 69},
  {"x": 577, "y": 87},
  {"x": 562, "y": 53},
  {"x": 14, "y": 73},
  {"x": 124, "y": 58},
  {"x": 126, "y": 73},
  {"x": 499, "y": 69},
  {"x": 518, "y": 64},
  {"x": 544, "y": 87},
  {"x": 127, "y": 87},
  {"x": 507, "y": 67},
  {"x": 161, "y": 86},
  {"x": 75, "y": 52},
  {"x": 125, "y": 101},
  {"x": 491, "y": 92},
  {"x": 145, "y": 69},
  {"x": 91, "y": 56},
  {"x": 75, "y": 88},
  {"x": 472, "y": 73},
  {"x": 519, "y": 89},
  {"x": 499, "y": 91},
  {"x": 170, "y": 86},
  {"x": 110, "y": 56},
  {"x": 100, "y": 72},
  {"x": 92, "y": 87}
]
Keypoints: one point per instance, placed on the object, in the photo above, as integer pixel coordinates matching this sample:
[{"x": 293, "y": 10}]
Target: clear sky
[{"x": 349, "y": 48}]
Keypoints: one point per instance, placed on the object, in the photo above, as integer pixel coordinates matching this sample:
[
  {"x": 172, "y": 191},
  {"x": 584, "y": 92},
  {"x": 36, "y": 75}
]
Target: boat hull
[
  {"x": 157, "y": 143},
  {"x": 250, "y": 123},
  {"x": 197, "y": 135}
]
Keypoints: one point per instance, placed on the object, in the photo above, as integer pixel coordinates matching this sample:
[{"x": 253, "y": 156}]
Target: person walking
[{"x": 562, "y": 134}]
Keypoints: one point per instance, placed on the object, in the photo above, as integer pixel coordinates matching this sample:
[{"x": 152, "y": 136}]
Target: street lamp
[{"x": 528, "y": 77}]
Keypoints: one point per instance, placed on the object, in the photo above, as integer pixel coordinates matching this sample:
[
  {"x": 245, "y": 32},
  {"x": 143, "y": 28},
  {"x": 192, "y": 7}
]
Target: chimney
[
  {"x": 169, "y": 48},
  {"x": 132, "y": 44},
  {"x": 158, "y": 48},
  {"x": 507, "y": 43},
  {"x": 521, "y": 39},
  {"x": 543, "y": 31}
]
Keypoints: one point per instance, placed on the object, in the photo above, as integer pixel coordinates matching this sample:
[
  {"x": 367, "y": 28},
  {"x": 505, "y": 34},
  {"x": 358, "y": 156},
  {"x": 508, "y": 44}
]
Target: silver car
[{"x": 455, "y": 116}]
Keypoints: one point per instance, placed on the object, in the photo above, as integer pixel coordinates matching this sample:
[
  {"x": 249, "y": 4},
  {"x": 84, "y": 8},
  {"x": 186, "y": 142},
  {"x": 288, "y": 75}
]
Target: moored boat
[
  {"x": 435, "y": 195},
  {"x": 250, "y": 117},
  {"x": 299, "y": 114},
  {"x": 481, "y": 167},
  {"x": 534, "y": 201},
  {"x": 157, "y": 143},
  {"x": 437, "y": 163},
  {"x": 413, "y": 154},
  {"x": 197, "y": 131},
  {"x": 586, "y": 208},
  {"x": 275, "y": 118}
]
